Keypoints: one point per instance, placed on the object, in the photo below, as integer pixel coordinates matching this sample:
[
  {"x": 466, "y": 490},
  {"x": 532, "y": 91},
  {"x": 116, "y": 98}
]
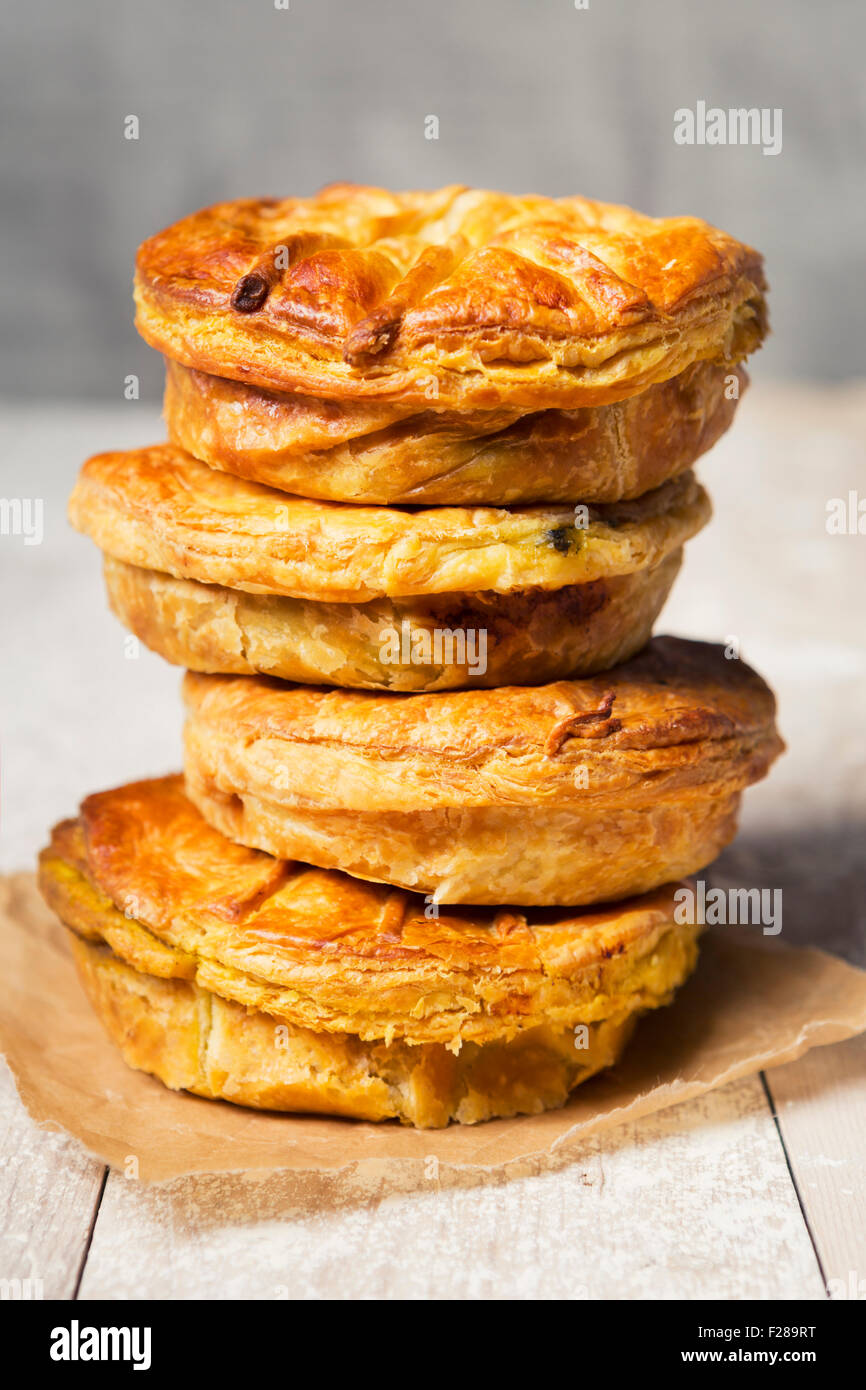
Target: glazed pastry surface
[
  {"x": 480, "y": 299},
  {"x": 633, "y": 776},
  {"x": 358, "y": 452},
  {"x": 194, "y": 1040},
  {"x": 160, "y": 509},
  {"x": 143, "y": 873},
  {"x": 277, "y": 986}
]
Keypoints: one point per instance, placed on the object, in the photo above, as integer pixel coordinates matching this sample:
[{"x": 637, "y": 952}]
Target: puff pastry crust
[
  {"x": 193, "y": 1040},
  {"x": 487, "y": 298},
  {"x": 358, "y": 452},
  {"x": 445, "y": 642},
  {"x": 273, "y": 984},
  {"x": 160, "y": 509},
  {"x": 633, "y": 777}
]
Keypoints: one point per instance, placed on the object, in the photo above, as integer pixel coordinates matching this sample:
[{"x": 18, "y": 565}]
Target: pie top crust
[
  {"x": 677, "y": 720},
  {"x": 455, "y": 298},
  {"x": 161, "y": 509},
  {"x": 141, "y": 870}
]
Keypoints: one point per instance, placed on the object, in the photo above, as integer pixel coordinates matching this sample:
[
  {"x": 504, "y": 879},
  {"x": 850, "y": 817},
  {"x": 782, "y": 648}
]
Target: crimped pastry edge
[{"x": 161, "y": 509}]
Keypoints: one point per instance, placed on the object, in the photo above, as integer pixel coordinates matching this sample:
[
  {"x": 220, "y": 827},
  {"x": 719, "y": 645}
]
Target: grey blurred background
[{"x": 237, "y": 97}]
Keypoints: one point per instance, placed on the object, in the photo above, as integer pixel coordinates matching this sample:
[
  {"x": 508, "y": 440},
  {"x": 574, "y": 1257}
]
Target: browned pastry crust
[
  {"x": 575, "y": 792},
  {"x": 160, "y": 509},
  {"x": 358, "y": 452},
  {"x": 486, "y": 299},
  {"x": 445, "y": 642},
  {"x": 193, "y": 1040},
  {"x": 273, "y": 984}
]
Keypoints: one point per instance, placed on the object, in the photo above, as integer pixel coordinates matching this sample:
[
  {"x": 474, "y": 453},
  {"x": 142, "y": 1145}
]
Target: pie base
[
  {"x": 447, "y": 642},
  {"x": 192, "y": 1040}
]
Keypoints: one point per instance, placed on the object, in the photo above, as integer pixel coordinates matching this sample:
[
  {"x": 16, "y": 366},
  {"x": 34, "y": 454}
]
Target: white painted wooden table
[{"x": 756, "y": 1190}]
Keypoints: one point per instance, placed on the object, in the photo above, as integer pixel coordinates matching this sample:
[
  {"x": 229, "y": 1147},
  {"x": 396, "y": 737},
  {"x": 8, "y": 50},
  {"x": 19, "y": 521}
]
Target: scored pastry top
[
  {"x": 677, "y": 716},
  {"x": 457, "y": 297},
  {"x": 141, "y": 870}
]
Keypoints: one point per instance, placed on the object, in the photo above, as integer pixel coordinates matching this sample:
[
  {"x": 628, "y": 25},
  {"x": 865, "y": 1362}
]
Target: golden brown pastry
[
  {"x": 193, "y": 1040},
  {"x": 571, "y": 793},
  {"x": 271, "y": 984},
  {"x": 474, "y": 299},
  {"x": 160, "y": 509},
  {"x": 355, "y": 451},
  {"x": 443, "y": 642}
]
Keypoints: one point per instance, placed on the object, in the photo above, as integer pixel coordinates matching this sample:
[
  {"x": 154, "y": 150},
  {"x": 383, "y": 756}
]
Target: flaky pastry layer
[
  {"x": 438, "y": 643},
  {"x": 142, "y": 872},
  {"x": 161, "y": 509},
  {"x": 575, "y": 792},
  {"x": 357, "y": 451},
  {"x": 193, "y": 1040},
  {"x": 486, "y": 299}
]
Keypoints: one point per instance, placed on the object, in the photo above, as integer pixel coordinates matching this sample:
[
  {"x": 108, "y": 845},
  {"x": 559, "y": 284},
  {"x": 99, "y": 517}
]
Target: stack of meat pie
[{"x": 428, "y": 485}]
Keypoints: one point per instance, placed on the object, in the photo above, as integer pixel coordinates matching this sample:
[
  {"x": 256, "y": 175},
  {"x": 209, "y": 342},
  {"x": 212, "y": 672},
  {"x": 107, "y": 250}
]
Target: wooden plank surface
[
  {"x": 49, "y": 1193},
  {"x": 820, "y": 1105},
  {"x": 693, "y": 1201}
]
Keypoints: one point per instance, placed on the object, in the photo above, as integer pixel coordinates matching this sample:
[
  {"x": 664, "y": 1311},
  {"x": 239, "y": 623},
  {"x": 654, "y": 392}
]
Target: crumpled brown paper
[{"x": 752, "y": 1004}]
